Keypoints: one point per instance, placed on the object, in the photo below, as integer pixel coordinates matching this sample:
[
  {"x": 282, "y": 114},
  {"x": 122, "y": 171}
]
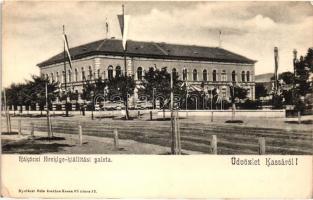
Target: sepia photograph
[
  {"x": 157, "y": 78},
  {"x": 156, "y": 99}
]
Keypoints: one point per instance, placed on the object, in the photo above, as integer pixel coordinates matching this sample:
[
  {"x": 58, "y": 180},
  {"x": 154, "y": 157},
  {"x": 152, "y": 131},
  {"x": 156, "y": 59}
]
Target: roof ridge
[
  {"x": 160, "y": 48},
  {"x": 101, "y": 44}
]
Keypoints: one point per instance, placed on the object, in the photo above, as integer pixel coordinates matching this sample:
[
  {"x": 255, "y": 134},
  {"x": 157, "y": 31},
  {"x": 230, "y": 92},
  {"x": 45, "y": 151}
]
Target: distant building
[
  {"x": 265, "y": 80},
  {"x": 215, "y": 67}
]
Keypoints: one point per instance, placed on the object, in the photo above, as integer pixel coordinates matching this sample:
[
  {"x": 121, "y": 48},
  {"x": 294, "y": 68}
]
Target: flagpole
[
  {"x": 125, "y": 67},
  {"x": 173, "y": 144},
  {"x": 65, "y": 85}
]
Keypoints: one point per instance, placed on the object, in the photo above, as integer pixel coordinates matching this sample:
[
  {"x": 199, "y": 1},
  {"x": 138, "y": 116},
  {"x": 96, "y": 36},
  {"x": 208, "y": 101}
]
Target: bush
[{"x": 250, "y": 104}]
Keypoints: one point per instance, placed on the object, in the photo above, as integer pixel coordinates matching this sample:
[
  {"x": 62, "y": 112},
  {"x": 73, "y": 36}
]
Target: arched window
[
  {"x": 224, "y": 75},
  {"x": 214, "y": 76},
  {"x": 99, "y": 73},
  {"x": 110, "y": 72},
  {"x": 174, "y": 73},
  {"x": 205, "y": 75},
  {"x": 243, "y": 76},
  {"x": 184, "y": 74},
  {"x": 69, "y": 76},
  {"x": 248, "y": 76},
  {"x": 195, "y": 75},
  {"x": 90, "y": 73},
  {"x": 83, "y": 74},
  {"x": 139, "y": 73},
  {"x": 63, "y": 77},
  {"x": 76, "y": 75},
  {"x": 233, "y": 76},
  {"x": 118, "y": 72},
  {"x": 57, "y": 77}
]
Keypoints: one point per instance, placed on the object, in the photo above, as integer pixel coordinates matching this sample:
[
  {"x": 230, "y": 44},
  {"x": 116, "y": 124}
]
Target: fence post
[
  {"x": 214, "y": 144},
  {"x": 19, "y": 126},
  {"x": 299, "y": 117},
  {"x": 150, "y": 115},
  {"x": 116, "y": 143},
  {"x": 32, "y": 131},
  {"x": 261, "y": 146},
  {"x": 163, "y": 113},
  {"x": 138, "y": 114},
  {"x": 178, "y": 137},
  {"x": 80, "y": 134},
  {"x": 212, "y": 116}
]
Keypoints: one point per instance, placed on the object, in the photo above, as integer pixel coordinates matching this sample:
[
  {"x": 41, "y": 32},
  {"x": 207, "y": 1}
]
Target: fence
[{"x": 227, "y": 113}]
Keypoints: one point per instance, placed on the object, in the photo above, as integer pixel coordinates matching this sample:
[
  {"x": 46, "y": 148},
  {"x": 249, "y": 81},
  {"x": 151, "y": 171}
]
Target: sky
[{"x": 32, "y": 31}]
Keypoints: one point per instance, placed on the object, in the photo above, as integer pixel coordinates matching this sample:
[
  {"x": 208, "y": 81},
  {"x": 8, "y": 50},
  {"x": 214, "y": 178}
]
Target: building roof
[
  {"x": 158, "y": 50},
  {"x": 262, "y": 78}
]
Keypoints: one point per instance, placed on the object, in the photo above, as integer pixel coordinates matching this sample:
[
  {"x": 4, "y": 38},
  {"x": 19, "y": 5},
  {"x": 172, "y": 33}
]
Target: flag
[
  {"x": 67, "y": 49},
  {"x": 123, "y": 20}
]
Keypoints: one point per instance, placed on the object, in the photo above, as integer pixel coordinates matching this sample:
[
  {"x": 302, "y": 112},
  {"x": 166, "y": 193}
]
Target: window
[
  {"x": 69, "y": 76},
  {"x": 195, "y": 75},
  {"x": 233, "y": 76},
  {"x": 139, "y": 73},
  {"x": 249, "y": 93},
  {"x": 52, "y": 77},
  {"x": 76, "y": 75},
  {"x": 248, "y": 76},
  {"x": 214, "y": 75},
  {"x": 63, "y": 76},
  {"x": 174, "y": 73},
  {"x": 110, "y": 72},
  {"x": 243, "y": 76},
  {"x": 57, "y": 77},
  {"x": 83, "y": 75},
  {"x": 224, "y": 75},
  {"x": 205, "y": 75},
  {"x": 184, "y": 74},
  {"x": 224, "y": 92},
  {"x": 90, "y": 73},
  {"x": 118, "y": 71},
  {"x": 99, "y": 73}
]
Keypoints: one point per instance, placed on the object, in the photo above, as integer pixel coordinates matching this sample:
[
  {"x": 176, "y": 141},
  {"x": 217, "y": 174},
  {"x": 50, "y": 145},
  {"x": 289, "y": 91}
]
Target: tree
[
  {"x": 32, "y": 92},
  {"x": 123, "y": 87},
  {"x": 286, "y": 77},
  {"x": 159, "y": 81},
  {"x": 240, "y": 93},
  {"x": 303, "y": 85},
  {"x": 260, "y": 90},
  {"x": 13, "y": 94},
  {"x": 91, "y": 89}
]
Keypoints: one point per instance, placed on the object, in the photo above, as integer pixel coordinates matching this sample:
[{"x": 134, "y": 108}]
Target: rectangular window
[{"x": 224, "y": 92}]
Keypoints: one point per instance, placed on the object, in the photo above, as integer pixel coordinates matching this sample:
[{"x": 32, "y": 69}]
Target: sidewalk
[{"x": 70, "y": 145}]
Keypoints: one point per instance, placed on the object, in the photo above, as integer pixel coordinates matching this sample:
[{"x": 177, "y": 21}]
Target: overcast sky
[{"x": 32, "y": 31}]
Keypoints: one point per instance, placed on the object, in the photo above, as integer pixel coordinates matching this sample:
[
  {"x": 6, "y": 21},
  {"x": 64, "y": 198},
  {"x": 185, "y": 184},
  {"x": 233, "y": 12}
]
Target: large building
[{"x": 215, "y": 67}]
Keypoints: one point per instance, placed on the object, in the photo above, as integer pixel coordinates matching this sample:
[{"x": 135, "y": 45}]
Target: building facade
[{"x": 213, "y": 67}]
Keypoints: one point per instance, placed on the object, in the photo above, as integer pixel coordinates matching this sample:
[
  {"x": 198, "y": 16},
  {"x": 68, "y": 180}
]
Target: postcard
[{"x": 157, "y": 99}]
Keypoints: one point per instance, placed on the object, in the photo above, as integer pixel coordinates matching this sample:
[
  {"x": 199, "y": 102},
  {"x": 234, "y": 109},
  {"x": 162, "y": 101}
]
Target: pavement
[{"x": 71, "y": 145}]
